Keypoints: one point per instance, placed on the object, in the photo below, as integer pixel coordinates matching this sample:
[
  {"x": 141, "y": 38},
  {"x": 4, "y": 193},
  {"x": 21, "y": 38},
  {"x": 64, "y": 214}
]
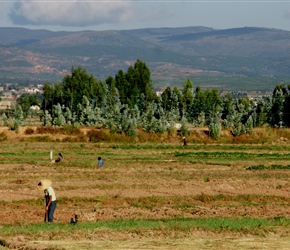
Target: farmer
[
  {"x": 184, "y": 141},
  {"x": 100, "y": 162},
  {"x": 50, "y": 199},
  {"x": 59, "y": 158}
]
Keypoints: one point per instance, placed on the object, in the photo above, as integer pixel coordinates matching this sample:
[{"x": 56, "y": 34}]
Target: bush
[
  {"x": 70, "y": 130},
  {"x": 183, "y": 128},
  {"x": 97, "y": 135},
  {"x": 45, "y": 130},
  {"x": 3, "y": 137},
  {"x": 214, "y": 130},
  {"x": 13, "y": 124},
  {"x": 40, "y": 139},
  {"x": 29, "y": 131}
]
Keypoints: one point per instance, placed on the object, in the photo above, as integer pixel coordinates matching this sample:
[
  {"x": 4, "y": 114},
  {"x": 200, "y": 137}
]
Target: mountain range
[{"x": 238, "y": 58}]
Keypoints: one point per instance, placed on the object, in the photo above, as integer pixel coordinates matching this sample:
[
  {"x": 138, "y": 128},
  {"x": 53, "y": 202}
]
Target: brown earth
[
  {"x": 117, "y": 203},
  {"x": 164, "y": 189}
]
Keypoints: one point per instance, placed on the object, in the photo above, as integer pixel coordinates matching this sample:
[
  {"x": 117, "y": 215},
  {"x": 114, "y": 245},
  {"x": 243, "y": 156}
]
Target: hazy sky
[{"x": 134, "y": 14}]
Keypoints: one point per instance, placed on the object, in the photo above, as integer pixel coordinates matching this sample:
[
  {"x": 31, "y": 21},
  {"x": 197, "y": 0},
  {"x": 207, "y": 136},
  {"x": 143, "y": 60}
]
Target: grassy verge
[
  {"x": 79, "y": 154},
  {"x": 245, "y": 225},
  {"x": 271, "y": 167},
  {"x": 149, "y": 202}
]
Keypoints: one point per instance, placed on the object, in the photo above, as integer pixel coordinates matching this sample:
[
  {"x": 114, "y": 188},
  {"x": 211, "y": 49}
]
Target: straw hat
[{"x": 44, "y": 184}]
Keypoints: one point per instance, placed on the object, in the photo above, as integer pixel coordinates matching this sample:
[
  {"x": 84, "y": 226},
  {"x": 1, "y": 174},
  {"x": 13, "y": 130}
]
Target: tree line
[{"x": 127, "y": 102}]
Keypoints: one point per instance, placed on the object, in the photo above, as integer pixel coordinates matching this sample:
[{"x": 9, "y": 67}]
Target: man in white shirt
[{"x": 50, "y": 198}]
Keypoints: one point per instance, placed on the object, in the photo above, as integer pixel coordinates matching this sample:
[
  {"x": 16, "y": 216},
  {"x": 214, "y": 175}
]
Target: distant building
[
  {"x": 5, "y": 104},
  {"x": 177, "y": 125},
  {"x": 35, "y": 107},
  {"x": 158, "y": 93},
  {"x": 7, "y": 95},
  {"x": 31, "y": 90}
]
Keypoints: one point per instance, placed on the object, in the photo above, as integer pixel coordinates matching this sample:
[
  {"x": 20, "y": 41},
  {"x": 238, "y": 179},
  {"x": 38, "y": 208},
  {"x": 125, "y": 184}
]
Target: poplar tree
[
  {"x": 58, "y": 118},
  {"x": 277, "y": 107}
]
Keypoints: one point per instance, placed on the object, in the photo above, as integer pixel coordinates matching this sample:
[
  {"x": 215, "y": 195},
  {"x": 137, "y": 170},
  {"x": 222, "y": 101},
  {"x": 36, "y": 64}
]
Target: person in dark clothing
[
  {"x": 184, "y": 141},
  {"x": 59, "y": 158}
]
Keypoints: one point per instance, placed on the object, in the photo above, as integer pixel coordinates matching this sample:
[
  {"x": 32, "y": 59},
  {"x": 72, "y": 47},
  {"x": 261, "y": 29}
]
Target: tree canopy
[{"x": 127, "y": 101}]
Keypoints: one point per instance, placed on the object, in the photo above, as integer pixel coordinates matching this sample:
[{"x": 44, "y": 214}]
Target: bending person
[{"x": 50, "y": 198}]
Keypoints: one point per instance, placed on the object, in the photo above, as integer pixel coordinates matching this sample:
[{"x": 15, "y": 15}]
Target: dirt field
[{"x": 131, "y": 186}]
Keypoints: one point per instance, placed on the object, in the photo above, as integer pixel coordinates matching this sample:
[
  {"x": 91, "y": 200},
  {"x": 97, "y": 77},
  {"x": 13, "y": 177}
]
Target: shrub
[
  {"x": 45, "y": 130},
  {"x": 71, "y": 139},
  {"x": 4, "y": 119},
  {"x": 40, "y": 139},
  {"x": 183, "y": 128},
  {"x": 97, "y": 135},
  {"x": 70, "y": 130},
  {"x": 29, "y": 131},
  {"x": 46, "y": 118},
  {"x": 3, "y": 137},
  {"x": 214, "y": 130},
  {"x": 13, "y": 124}
]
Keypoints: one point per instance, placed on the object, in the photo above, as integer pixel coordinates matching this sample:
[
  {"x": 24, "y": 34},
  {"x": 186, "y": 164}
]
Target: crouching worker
[
  {"x": 59, "y": 158},
  {"x": 50, "y": 199},
  {"x": 100, "y": 162}
]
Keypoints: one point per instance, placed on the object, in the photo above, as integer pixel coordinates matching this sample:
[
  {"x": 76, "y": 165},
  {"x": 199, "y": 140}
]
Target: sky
[{"x": 76, "y": 15}]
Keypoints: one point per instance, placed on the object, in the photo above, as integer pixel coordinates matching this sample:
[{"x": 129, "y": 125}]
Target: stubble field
[{"x": 146, "y": 196}]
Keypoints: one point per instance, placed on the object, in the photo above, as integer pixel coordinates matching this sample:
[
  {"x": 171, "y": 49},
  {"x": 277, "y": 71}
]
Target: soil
[
  {"x": 116, "y": 204},
  {"x": 245, "y": 194}
]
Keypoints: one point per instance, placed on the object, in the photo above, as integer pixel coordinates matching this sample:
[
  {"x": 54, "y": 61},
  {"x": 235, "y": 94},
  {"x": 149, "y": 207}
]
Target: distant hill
[{"x": 239, "y": 58}]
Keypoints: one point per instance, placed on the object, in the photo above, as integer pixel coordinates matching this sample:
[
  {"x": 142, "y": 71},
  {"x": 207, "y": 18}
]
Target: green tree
[
  {"x": 58, "y": 118},
  {"x": 113, "y": 93},
  {"x": 286, "y": 109},
  {"x": 277, "y": 108},
  {"x": 187, "y": 92},
  {"x": 48, "y": 98},
  {"x": 177, "y": 101},
  {"x": 228, "y": 107},
  {"x": 167, "y": 99},
  {"x": 80, "y": 84},
  {"x": 28, "y": 100},
  {"x": 142, "y": 104},
  {"x": 261, "y": 112},
  {"x": 123, "y": 87},
  {"x": 208, "y": 102},
  {"x": 129, "y": 121},
  {"x": 143, "y": 79},
  {"x": 87, "y": 117},
  {"x": 17, "y": 113},
  {"x": 137, "y": 80},
  {"x": 214, "y": 125},
  {"x": 4, "y": 119},
  {"x": 46, "y": 118},
  {"x": 68, "y": 116}
]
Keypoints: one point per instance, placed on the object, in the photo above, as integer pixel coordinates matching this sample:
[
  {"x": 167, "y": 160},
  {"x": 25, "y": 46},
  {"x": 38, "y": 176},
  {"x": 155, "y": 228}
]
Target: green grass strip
[
  {"x": 271, "y": 167},
  {"x": 24, "y": 154},
  {"x": 230, "y": 224},
  {"x": 244, "y": 155},
  {"x": 231, "y": 147}
]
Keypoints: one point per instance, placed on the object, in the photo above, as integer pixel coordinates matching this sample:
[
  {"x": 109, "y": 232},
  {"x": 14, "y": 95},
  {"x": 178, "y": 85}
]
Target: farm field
[{"x": 147, "y": 195}]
